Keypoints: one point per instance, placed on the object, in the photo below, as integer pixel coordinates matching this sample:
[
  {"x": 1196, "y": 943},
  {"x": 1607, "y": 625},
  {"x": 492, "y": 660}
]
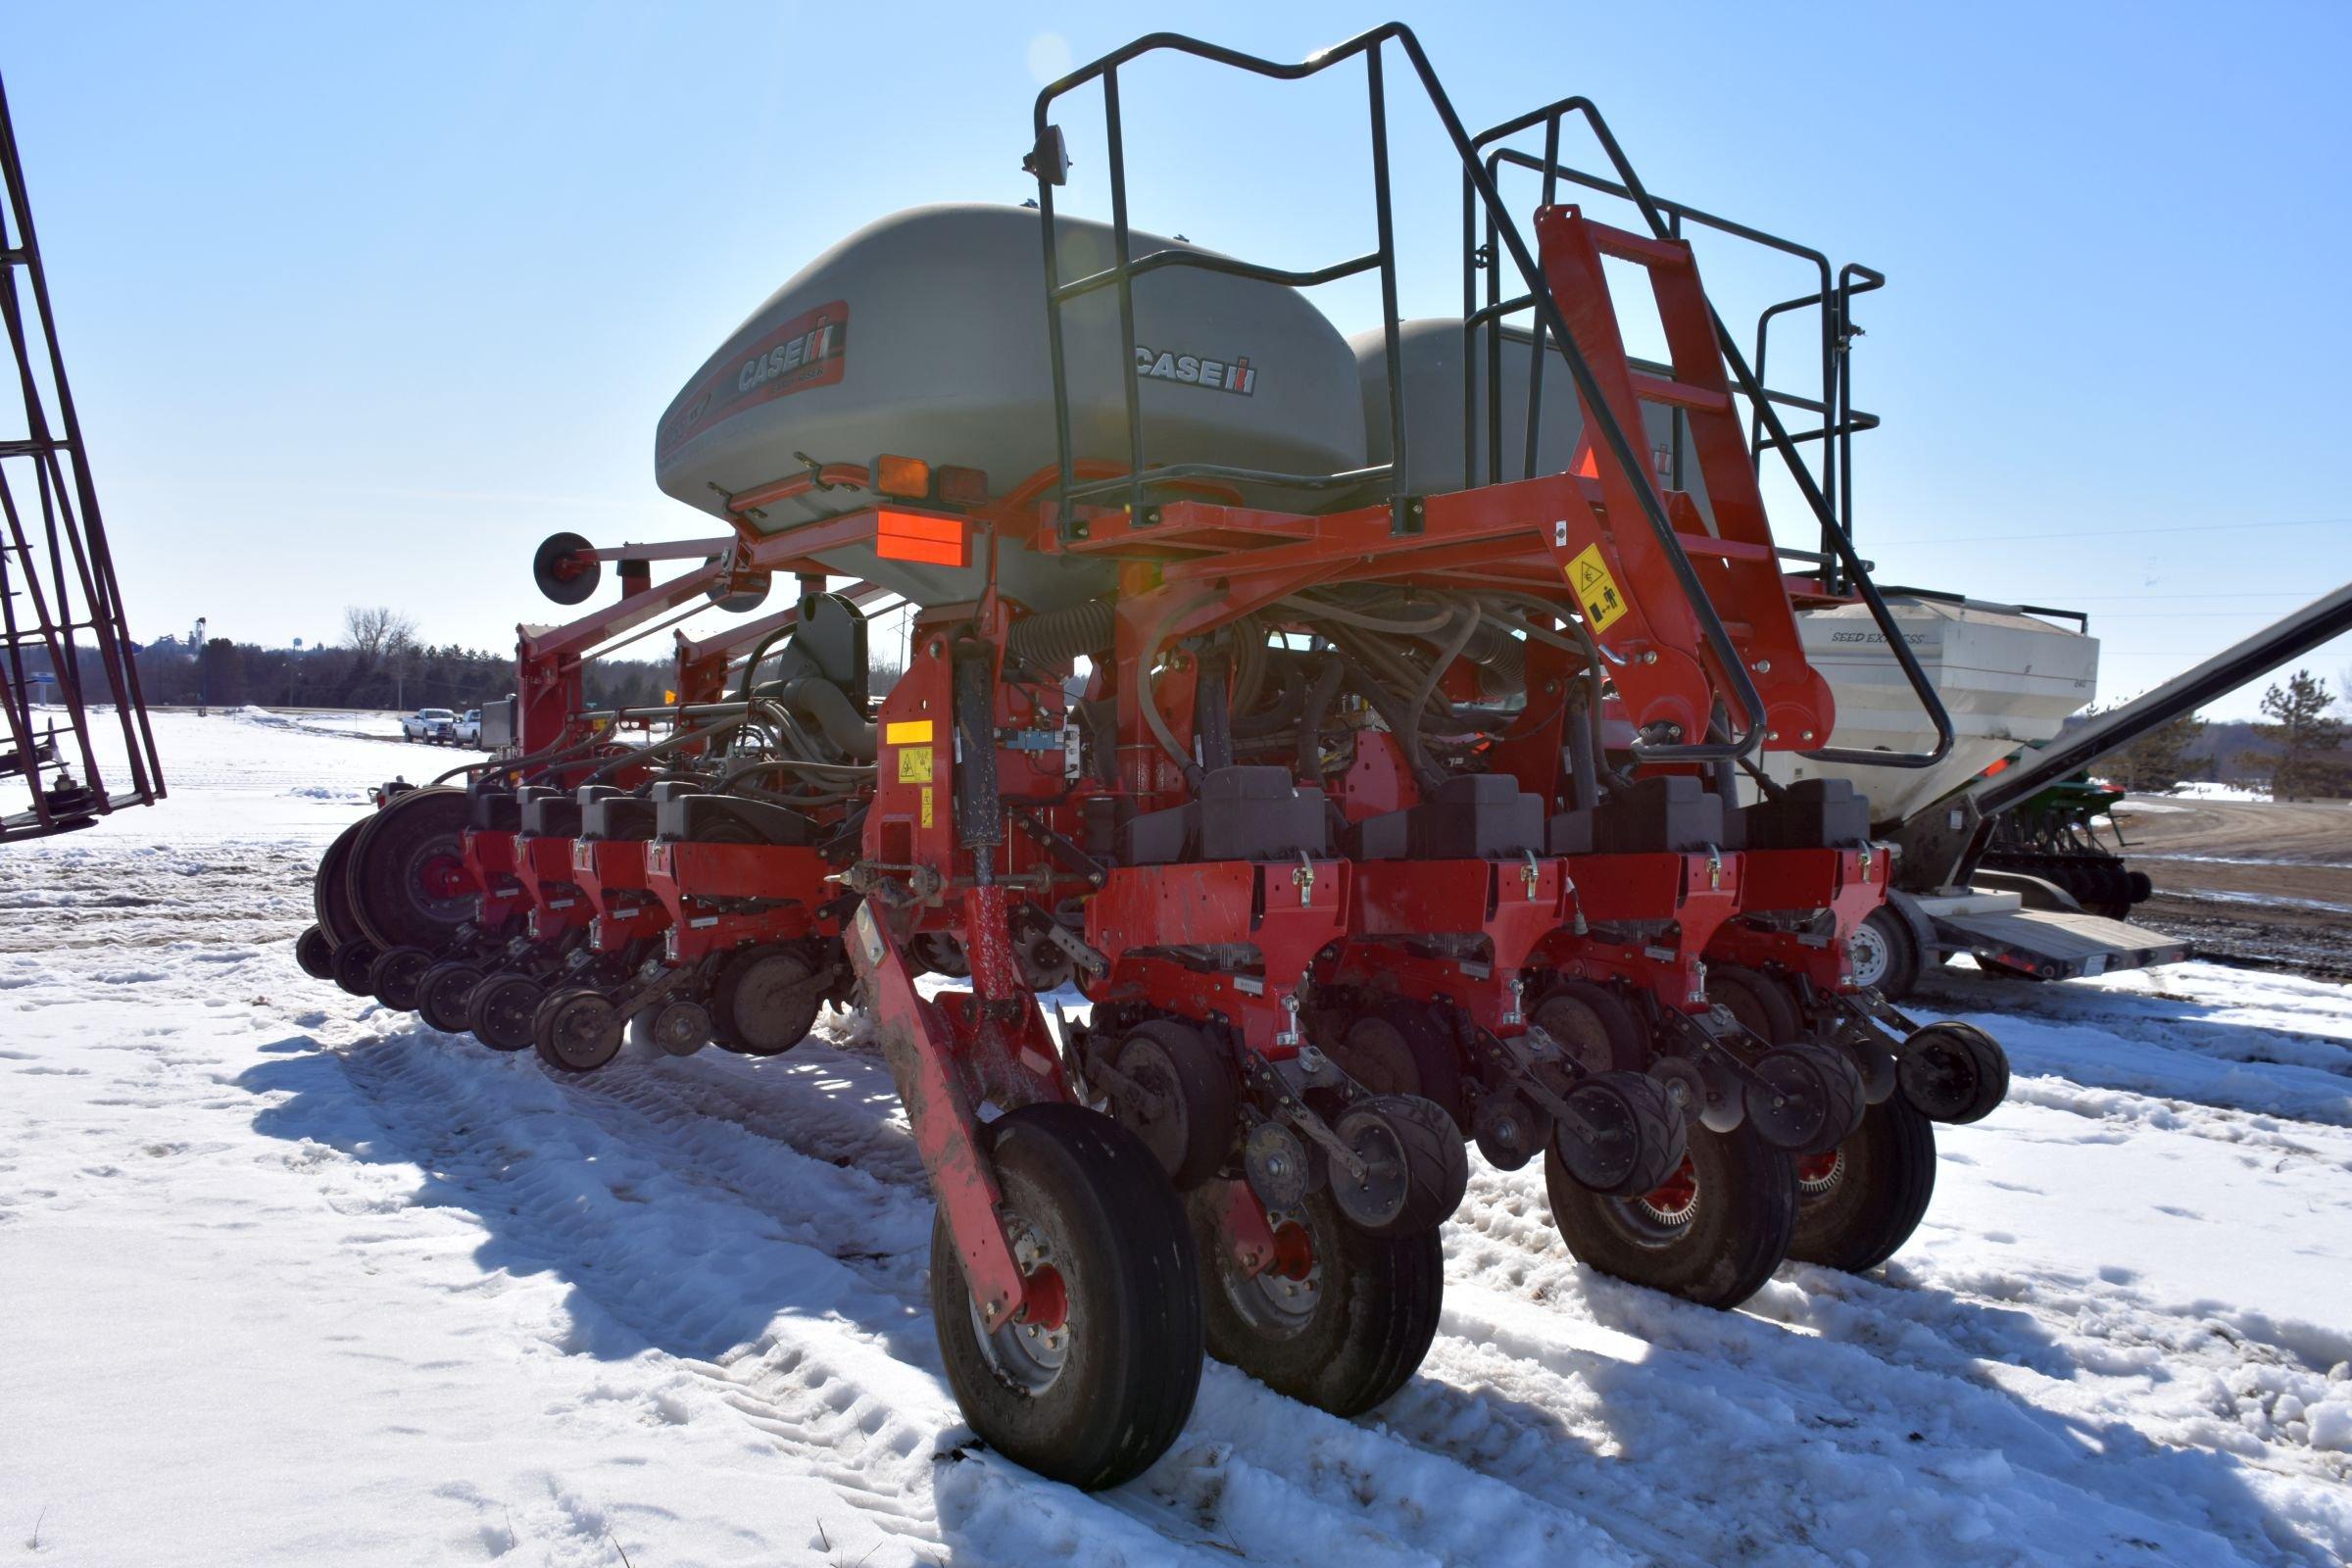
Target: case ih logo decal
[
  {"x": 1218, "y": 375},
  {"x": 810, "y": 350}
]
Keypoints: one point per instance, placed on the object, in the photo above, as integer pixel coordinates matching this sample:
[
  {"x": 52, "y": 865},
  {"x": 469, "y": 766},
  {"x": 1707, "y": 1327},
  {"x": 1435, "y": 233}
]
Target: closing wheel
[
  {"x": 395, "y": 975},
  {"x": 766, "y": 1002},
  {"x": 1093, "y": 1392},
  {"x": 409, "y": 882},
  {"x": 1954, "y": 1072},
  {"x": 1640, "y": 1138},
  {"x": 501, "y": 1009},
  {"x": 1415, "y": 1170},
  {"x": 315, "y": 953},
  {"x": 1759, "y": 1003},
  {"x": 576, "y": 1030},
  {"x": 1809, "y": 1098},
  {"x": 941, "y": 953},
  {"x": 353, "y": 960},
  {"x": 443, "y": 990},
  {"x": 1596, "y": 1029},
  {"x": 1858, "y": 1204},
  {"x": 1712, "y": 1233},
  {"x": 1885, "y": 954},
  {"x": 1509, "y": 1128},
  {"x": 563, "y": 579},
  {"x": 674, "y": 1028},
  {"x": 1043, "y": 965},
  {"x": 1177, "y": 1095},
  {"x": 1337, "y": 1318}
]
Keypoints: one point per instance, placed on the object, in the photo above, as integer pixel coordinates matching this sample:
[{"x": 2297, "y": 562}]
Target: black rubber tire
[
  {"x": 1959, "y": 1079},
  {"x": 576, "y": 1030},
  {"x": 1594, "y": 1026},
  {"x": 1762, "y": 1007},
  {"x": 758, "y": 1009},
  {"x": 1436, "y": 1167},
  {"x": 1194, "y": 1092},
  {"x": 442, "y": 992},
  {"x": 315, "y": 953},
  {"x": 499, "y": 1011},
  {"x": 1115, "y": 1231},
  {"x": 353, "y": 960},
  {"x": 394, "y": 976},
  {"x": 1359, "y": 1326},
  {"x": 331, "y": 887},
  {"x": 1736, "y": 1233},
  {"x": 1856, "y": 1214},
  {"x": 402, "y": 844},
  {"x": 1902, "y": 953}
]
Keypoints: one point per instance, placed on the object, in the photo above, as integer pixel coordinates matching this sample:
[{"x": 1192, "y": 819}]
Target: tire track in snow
[
  {"x": 1921, "y": 1387},
  {"x": 1247, "y": 1454},
  {"x": 811, "y": 1354}
]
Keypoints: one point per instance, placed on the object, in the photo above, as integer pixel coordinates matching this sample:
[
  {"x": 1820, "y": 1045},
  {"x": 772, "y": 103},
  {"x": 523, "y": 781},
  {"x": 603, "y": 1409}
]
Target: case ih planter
[{"x": 1378, "y": 803}]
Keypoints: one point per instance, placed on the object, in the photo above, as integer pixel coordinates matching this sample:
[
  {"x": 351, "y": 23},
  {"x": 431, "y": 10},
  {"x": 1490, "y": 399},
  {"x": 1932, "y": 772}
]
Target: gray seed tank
[
  {"x": 1431, "y": 349},
  {"x": 923, "y": 336}
]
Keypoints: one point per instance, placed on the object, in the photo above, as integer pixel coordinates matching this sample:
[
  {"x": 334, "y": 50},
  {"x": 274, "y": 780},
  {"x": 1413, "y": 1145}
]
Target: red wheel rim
[{"x": 443, "y": 877}]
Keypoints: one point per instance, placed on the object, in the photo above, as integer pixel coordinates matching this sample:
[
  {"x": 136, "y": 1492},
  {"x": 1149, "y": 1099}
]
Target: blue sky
[{"x": 363, "y": 301}]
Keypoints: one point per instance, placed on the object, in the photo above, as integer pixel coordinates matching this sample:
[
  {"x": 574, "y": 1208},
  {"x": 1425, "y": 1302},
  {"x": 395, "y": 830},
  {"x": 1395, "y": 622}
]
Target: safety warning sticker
[
  {"x": 915, "y": 764},
  {"x": 1603, "y": 603}
]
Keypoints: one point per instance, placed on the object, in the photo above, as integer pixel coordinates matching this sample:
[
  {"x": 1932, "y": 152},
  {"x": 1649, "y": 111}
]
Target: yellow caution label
[
  {"x": 908, "y": 732},
  {"x": 1603, "y": 602},
  {"x": 915, "y": 764},
  {"x": 926, "y": 806}
]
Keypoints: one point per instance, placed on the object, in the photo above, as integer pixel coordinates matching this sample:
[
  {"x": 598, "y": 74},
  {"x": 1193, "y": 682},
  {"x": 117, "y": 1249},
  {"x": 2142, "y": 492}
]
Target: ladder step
[
  {"x": 1680, "y": 394},
  {"x": 1672, "y": 254}
]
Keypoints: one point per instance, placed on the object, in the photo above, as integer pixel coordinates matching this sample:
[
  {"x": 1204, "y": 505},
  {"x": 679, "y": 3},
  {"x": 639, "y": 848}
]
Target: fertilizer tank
[{"x": 924, "y": 335}]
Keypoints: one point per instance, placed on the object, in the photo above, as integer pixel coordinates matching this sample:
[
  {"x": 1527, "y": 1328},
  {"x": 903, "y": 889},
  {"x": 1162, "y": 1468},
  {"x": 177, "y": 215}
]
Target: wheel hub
[
  {"x": 1818, "y": 1174},
  {"x": 1674, "y": 1203},
  {"x": 1031, "y": 1349},
  {"x": 1868, "y": 949}
]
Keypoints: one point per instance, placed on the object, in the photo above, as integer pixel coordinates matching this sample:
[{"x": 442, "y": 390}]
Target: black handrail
[
  {"x": 1837, "y": 542},
  {"x": 1046, "y": 161}
]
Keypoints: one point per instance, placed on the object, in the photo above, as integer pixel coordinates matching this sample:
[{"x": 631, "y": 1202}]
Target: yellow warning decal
[
  {"x": 926, "y": 806},
  {"x": 908, "y": 732},
  {"x": 1603, "y": 602},
  {"x": 915, "y": 764}
]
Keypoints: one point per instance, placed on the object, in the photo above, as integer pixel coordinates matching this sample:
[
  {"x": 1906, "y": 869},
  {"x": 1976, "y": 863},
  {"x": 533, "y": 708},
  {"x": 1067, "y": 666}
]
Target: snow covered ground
[{"x": 292, "y": 1280}]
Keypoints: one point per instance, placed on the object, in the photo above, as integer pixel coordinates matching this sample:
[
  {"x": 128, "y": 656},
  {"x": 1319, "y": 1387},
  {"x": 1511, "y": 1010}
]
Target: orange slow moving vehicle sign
[{"x": 931, "y": 541}]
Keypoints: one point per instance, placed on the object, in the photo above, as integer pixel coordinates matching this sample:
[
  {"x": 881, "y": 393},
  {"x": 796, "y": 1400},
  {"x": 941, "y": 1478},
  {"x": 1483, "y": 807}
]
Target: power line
[{"x": 2119, "y": 533}]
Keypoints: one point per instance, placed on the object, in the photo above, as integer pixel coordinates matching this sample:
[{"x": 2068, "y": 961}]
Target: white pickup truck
[
  {"x": 433, "y": 726},
  {"x": 468, "y": 730}
]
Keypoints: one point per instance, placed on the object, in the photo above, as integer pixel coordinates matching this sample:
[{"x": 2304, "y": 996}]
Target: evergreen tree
[
  {"x": 2158, "y": 760},
  {"x": 2311, "y": 761}
]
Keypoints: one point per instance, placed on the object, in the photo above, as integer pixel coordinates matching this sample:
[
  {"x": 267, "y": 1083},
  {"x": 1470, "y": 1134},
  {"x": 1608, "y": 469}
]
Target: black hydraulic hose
[
  {"x": 1087, "y": 630},
  {"x": 836, "y": 717},
  {"x": 1385, "y": 703},
  {"x": 1311, "y": 719},
  {"x": 1273, "y": 720},
  {"x": 1437, "y": 671},
  {"x": 1212, "y": 722},
  {"x": 1584, "y": 754}
]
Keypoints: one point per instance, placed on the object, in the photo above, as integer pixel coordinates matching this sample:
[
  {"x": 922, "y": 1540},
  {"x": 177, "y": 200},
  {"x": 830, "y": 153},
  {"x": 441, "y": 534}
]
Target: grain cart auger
[
  {"x": 1370, "y": 808},
  {"x": 66, "y": 654}
]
